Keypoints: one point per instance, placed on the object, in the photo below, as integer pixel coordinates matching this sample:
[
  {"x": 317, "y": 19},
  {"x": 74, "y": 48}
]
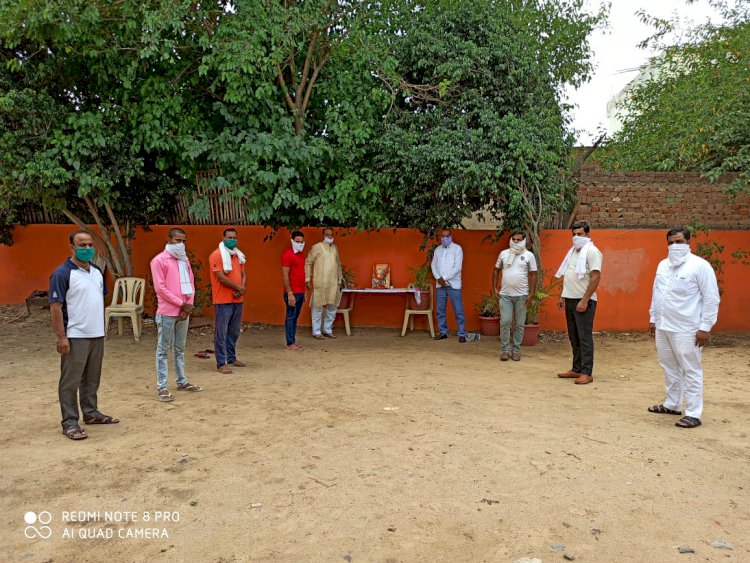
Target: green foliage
[
  {"x": 491, "y": 132},
  {"x": 348, "y": 277},
  {"x": 422, "y": 276},
  {"x": 713, "y": 252},
  {"x": 294, "y": 150},
  {"x": 93, "y": 112},
  {"x": 488, "y": 306},
  {"x": 691, "y": 112},
  {"x": 532, "y": 311},
  {"x": 540, "y": 294},
  {"x": 399, "y": 113}
]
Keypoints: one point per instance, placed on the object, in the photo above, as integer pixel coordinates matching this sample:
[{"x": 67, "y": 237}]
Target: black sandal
[
  {"x": 661, "y": 409},
  {"x": 688, "y": 422}
]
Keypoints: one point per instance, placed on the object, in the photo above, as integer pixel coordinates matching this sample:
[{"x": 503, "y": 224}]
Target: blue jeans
[
  {"x": 292, "y": 314},
  {"x": 172, "y": 336},
  {"x": 227, "y": 328},
  {"x": 512, "y": 310},
  {"x": 442, "y": 294}
]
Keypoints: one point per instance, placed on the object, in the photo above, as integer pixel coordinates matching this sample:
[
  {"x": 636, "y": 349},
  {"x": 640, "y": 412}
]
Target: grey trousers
[{"x": 80, "y": 372}]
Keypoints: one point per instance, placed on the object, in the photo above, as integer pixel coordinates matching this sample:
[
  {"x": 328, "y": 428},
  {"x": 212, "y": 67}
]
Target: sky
[{"x": 617, "y": 57}]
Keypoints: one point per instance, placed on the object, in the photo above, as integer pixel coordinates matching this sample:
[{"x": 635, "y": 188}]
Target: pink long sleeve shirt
[{"x": 166, "y": 274}]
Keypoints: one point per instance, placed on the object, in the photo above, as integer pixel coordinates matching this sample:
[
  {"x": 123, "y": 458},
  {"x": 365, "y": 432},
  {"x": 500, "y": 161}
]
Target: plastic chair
[
  {"x": 409, "y": 314},
  {"x": 345, "y": 313},
  {"x": 127, "y": 301}
]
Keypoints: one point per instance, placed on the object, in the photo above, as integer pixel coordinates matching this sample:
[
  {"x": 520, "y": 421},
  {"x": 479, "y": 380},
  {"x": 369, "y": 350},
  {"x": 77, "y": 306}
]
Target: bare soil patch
[{"x": 374, "y": 448}]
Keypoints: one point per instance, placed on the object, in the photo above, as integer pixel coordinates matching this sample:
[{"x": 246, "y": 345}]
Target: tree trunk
[{"x": 117, "y": 258}]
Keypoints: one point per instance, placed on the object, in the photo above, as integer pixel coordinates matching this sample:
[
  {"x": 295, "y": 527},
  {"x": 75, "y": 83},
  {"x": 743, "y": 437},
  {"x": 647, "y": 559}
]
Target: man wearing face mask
[
  {"x": 228, "y": 282},
  {"x": 174, "y": 285},
  {"x": 447, "y": 261},
  {"x": 684, "y": 308},
  {"x": 293, "y": 276},
  {"x": 323, "y": 275},
  {"x": 517, "y": 269},
  {"x": 581, "y": 271},
  {"x": 76, "y": 298}
]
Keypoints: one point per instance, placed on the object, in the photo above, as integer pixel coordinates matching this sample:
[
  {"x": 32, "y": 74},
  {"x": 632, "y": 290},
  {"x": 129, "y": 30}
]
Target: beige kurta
[{"x": 323, "y": 267}]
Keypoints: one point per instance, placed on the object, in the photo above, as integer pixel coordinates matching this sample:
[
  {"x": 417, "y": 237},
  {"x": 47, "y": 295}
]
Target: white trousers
[
  {"x": 680, "y": 359},
  {"x": 317, "y": 314}
]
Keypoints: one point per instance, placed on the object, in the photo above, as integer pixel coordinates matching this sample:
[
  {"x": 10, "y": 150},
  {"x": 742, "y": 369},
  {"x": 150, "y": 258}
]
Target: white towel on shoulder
[
  {"x": 226, "y": 257},
  {"x": 580, "y": 263},
  {"x": 186, "y": 286}
]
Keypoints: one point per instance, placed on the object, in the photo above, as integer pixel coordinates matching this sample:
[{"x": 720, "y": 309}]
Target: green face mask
[
  {"x": 85, "y": 254},
  {"x": 230, "y": 243}
]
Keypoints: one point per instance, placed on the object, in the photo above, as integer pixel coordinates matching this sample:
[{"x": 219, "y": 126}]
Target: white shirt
[
  {"x": 81, "y": 293},
  {"x": 446, "y": 264},
  {"x": 686, "y": 297},
  {"x": 574, "y": 288},
  {"x": 515, "y": 280}
]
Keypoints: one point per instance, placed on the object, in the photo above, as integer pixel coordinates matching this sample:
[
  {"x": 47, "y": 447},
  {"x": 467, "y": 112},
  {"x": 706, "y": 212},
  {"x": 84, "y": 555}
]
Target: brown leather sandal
[
  {"x": 75, "y": 433},
  {"x": 101, "y": 419}
]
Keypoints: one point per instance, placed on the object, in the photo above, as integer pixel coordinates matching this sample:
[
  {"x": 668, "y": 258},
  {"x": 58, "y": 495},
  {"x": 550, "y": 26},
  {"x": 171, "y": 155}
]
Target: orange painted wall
[{"x": 630, "y": 260}]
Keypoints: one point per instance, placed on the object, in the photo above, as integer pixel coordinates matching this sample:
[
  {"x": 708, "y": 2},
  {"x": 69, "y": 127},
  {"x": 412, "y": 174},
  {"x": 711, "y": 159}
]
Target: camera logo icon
[{"x": 37, "y": 525}]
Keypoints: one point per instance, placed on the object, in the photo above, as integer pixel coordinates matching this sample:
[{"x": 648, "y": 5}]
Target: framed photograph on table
[{"x": 381, "y": 276}]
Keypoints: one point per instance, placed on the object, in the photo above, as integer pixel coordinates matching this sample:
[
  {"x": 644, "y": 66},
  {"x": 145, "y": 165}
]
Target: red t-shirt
[{"x": 296, "y": 265}]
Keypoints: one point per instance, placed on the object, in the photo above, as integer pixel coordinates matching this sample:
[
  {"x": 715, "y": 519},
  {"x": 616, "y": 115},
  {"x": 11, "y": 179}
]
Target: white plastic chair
[
  {"x": 127, "y": 301},
  {"x": 408, "y": 313},
  {"x": 345, "y": 314}
]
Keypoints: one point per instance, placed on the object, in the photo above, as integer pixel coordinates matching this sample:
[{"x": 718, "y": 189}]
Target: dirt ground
[{"x": 373, "y": 448}]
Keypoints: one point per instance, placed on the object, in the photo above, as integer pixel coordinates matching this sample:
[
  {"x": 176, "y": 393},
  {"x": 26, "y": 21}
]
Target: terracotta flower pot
[
  {"x": 345, "y": 298},
  {"x": 530, "y": 335},
  {"x": 424, "y": 300},
  {"x": 489, "y": 326}
]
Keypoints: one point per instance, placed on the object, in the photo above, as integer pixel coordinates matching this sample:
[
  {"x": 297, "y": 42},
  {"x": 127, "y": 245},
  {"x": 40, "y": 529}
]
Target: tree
[
  {"x": 94, "y": 109},
  {"x": 477, "y": 122},
  {"x": 296, "y": 107},
  {"x": 365, "y": 114},
  {"x": 692, "y": 113}
]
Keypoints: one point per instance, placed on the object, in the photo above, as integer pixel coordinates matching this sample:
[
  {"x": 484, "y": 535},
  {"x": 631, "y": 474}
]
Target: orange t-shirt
[{"x": 220, "y": 293}]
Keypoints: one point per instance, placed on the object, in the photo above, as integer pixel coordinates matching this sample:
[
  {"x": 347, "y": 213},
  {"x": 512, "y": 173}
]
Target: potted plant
[
  {"x": 531, "y": 326},
  {"x": 489, "y": 314},
  {"x": 347, "y": 282},
  {"x": 423, "y": 282}
]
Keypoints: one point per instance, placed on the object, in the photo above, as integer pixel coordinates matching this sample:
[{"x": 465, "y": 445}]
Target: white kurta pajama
[
  {"x": 685, "y": 300},
  {"x": 323, "y": 268}
]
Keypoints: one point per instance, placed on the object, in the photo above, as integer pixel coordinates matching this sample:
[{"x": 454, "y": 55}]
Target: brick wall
[{"x": 645, "y": 200}]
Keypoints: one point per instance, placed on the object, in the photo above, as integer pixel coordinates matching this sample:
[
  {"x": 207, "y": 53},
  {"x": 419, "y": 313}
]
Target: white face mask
[
  {"x": 177, "y": 250},
  {"x": 678, "y": 253},
  {"x": 298, "y": 246},
  {"x": 580, "y": 242},
  {"x": 329, "y": 240},
  {"x": 517, "y": 247}
]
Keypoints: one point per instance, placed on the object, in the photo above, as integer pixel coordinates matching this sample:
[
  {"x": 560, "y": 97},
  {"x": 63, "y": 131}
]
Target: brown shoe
[
  {"x": 583, "y": 379},
  {"x": 238, "y": 364},
  {"x": 225, "y": 369},
  {"x": 569, "y": 374},
  {"x": 329, "y": 335},
  {"x": 504, "y": 357},
  {"x": 515, "y": 356}
]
